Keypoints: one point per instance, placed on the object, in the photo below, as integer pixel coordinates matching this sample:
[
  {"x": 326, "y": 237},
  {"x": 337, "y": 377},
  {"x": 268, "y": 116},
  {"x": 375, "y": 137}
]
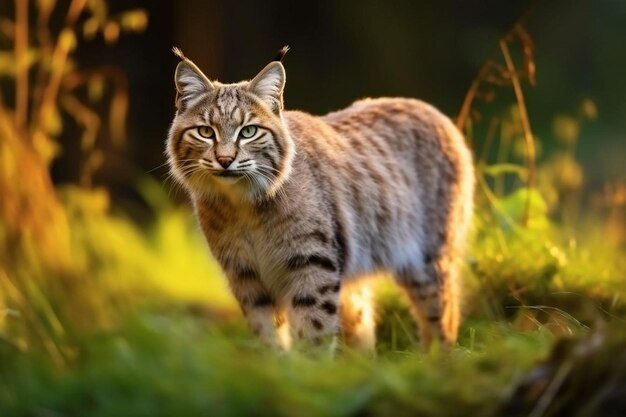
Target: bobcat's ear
[
  {"x": 190, "y": 81},
  {"x": 269, "y": 85}
]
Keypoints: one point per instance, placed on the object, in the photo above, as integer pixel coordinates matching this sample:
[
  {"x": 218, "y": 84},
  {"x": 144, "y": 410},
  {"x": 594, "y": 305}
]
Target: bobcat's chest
[{"x": 241, "y": 234}]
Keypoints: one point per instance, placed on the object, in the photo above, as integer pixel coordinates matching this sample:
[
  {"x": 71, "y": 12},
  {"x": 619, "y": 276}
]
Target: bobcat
[{"x": 296, "y": 208}]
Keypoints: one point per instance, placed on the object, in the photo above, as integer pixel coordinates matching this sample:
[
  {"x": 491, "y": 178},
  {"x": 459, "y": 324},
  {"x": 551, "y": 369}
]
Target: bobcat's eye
[
  {"x": 247, "y": 132},
  {"x": 205, "y": 132}
]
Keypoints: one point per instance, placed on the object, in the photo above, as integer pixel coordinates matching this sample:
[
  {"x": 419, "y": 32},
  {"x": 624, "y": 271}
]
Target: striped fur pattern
[{"x": 294, "y": 206}]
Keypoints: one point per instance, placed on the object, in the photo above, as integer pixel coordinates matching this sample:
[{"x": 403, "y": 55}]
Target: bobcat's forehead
[{"x": 229, "y": 105}]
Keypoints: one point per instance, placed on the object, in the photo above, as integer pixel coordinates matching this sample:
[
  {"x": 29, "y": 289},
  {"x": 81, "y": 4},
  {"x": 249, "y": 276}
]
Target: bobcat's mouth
[{"x": 229, "y": 174}]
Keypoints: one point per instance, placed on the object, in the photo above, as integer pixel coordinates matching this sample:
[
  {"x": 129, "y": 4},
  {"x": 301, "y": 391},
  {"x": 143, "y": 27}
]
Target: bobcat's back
[{"x": 396, "y": 177}]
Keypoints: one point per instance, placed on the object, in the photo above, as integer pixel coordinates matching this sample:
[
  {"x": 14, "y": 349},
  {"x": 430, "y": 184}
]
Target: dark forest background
[{"x": 345, "y": 50}]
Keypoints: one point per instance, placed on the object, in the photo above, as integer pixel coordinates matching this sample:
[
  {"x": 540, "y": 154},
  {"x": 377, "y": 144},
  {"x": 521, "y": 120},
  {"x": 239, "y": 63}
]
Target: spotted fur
[{"x": 309, "y": 203}]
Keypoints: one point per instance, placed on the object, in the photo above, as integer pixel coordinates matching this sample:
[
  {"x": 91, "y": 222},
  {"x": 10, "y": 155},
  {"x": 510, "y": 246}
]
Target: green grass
[
  {"x": 176, "y": 364},
  {"x": 144, "y": 326}
]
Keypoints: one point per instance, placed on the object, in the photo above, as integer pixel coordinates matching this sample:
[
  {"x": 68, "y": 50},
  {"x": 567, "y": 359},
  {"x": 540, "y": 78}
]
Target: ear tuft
[
  {"x": 269, "y": 85},
  {"x": 178, "y": 52},
  {"x": 281, "y": 54}
]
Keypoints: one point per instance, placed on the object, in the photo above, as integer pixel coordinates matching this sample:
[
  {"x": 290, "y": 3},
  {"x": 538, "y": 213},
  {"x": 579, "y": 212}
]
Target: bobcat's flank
[{"x": 296, "y": 208}]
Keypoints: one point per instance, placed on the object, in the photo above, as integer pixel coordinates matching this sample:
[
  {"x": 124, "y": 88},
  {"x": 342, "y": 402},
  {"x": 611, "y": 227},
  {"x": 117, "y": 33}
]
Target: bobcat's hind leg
[
  {"x": 357, "y": 315},
  {"x": 434, "y": 298}
]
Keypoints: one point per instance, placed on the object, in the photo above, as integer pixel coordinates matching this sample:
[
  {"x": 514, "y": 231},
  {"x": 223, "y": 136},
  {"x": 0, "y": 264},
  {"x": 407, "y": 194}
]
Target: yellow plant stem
[
  {"x": 528, "y": 135},
  {"x": 59, "y": 60},
  {"x": 21, "y": 67}
]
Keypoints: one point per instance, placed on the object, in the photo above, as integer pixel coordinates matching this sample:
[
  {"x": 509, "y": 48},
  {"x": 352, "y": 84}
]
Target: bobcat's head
[{"x": 229, "y": 138}]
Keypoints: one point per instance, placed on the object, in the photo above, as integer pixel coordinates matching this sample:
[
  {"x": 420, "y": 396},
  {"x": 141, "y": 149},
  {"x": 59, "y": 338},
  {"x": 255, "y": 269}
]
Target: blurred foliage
[
  {"x": 584, "y": 377},
  {"x": 163, "y": 366},
  {"x": 101, "y": 316},
  {"x": 115, "y": 269},
  {"x": 49, "y": 88},
  {"x": 41, "y": 275}
]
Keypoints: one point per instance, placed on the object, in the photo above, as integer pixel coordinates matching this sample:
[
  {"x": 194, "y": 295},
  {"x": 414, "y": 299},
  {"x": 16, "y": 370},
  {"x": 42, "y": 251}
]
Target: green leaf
[
  {"x": 518, "y": 202},
  {"x": 497, "y": 170}
]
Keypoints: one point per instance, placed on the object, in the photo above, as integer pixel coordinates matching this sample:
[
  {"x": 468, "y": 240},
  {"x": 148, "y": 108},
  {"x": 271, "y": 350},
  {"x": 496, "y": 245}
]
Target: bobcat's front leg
[
  {"x": 312, "y": 300},
  {"x": 257, "y": 305}
]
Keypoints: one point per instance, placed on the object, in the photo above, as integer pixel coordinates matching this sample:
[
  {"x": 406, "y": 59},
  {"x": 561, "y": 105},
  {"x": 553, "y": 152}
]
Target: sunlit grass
[
  {"x": 148, "y": 327},
  {"x": 168, "y": 263},
  {"x": 178, "y": 365},
  {"x": 186, "y": 272}
]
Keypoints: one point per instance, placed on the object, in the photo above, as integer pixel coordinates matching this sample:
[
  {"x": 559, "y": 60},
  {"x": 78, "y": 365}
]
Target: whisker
[
  {"x": 267, "y": 170},
  {"x": 167, "y": 163},
  {"x": 155, "y": 168},
  {"x": 174, "y": 185},
  {"x": 280, "y": 193},
  {"x": 268, "y": 167},
  {"x": 264, "y": 175}
]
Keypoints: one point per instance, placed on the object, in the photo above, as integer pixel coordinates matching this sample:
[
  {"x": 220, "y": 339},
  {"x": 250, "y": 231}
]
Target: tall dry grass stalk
[
  {"x": 499, "y": 71},
  {"x": 48, "y": 92}
]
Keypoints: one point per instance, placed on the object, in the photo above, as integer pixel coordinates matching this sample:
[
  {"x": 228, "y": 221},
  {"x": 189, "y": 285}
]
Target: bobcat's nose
[{"x": 225, "y": 161}]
